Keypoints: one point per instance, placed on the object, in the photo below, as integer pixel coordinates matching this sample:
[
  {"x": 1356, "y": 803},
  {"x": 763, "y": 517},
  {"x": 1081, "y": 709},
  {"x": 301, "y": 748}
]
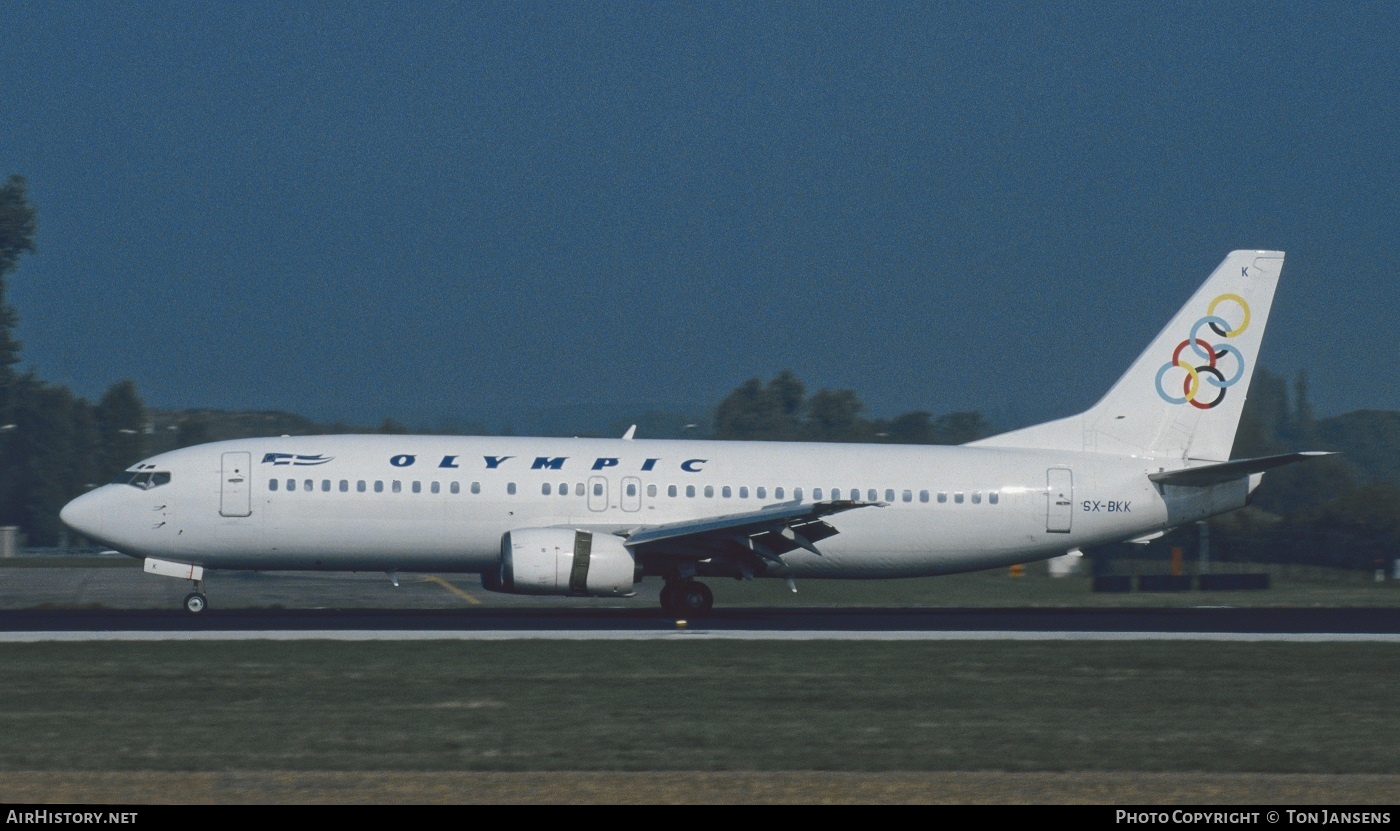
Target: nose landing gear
[{"x": 195, "y": 601}]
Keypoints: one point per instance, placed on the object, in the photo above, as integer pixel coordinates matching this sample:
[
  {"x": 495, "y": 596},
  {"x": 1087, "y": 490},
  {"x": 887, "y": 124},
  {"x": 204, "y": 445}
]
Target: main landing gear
[{"x": 687, "y": 598}]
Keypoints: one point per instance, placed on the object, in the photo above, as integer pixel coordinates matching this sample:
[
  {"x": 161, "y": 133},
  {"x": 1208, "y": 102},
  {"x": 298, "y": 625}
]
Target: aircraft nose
[{"x": 84, "y": 515}]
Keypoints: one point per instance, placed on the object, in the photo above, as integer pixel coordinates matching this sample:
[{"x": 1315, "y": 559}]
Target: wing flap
[{"x": 768, "y": 533}]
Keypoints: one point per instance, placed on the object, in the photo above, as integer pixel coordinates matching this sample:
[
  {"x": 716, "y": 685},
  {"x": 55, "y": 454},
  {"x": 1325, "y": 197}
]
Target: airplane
[{"x": 592, "y": 517}]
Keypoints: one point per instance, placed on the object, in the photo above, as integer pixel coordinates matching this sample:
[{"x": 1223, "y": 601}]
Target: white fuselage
[{"x": 442, "y": 503}]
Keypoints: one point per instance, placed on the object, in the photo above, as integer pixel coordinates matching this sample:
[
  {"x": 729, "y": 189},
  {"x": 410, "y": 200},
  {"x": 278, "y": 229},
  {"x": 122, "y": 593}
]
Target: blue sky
[{"x": 433, "y": 210}]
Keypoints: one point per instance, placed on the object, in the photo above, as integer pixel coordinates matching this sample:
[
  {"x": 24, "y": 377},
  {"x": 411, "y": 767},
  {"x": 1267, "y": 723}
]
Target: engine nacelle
[{"x": 563, "y": 561}]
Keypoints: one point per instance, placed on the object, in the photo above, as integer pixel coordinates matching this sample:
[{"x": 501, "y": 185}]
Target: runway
[
  {"x": 1235, "y": 624},
  {"x": 42, "y": 604}
]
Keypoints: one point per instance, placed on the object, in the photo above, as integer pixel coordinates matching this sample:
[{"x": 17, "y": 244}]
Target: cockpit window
[{"x": 143, "y": 479}]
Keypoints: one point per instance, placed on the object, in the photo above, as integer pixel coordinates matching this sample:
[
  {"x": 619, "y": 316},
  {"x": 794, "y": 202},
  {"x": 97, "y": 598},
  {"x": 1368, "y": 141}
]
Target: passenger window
[
  {"x": 578, "y": 489},
  {"x": 726, "y": 492},
  {"x": 631, "y": 488},
  {"x": 797, "y": 494},
  {"x": 835, "y": 493},
  {"x": 272, "y": 484},
  {"x": 563, "y": 488},
  {"x": 291, "y": 484},
  {"x": 310, "y": 485},
  {"x": 872, "y": 496},
  {"x": 325, "y": 486},
  {"x": 378, "y": 485},
  {"x": 977, "y": 497},
  {"x": 435, "y": 487},
  {"x": 743, "y": 491},
  {"x": 545, "y": 489},
  {"x": 360, "y": 486},
  {"x": 476, "y": 487},
  {"x": 597, "y": 488},
  {"x": 417, "y": 486},
  {"x": 942, "y": 496},
  {"x": 817, "y": 493},
  {"x": 344, "y": 485},
  {"x": 690, "y": 491},
  {"x": 908, "y": 496},
  {"x": 993, "y": 497},
  {"x": 958, "y": 497},
  {"x": 889, "y": 495},
  {"x": 651, "y": 490},
  {"x": 455, "y": 487},
  {"x": 762, "y": 493},
  {"x": 777, "y": 493},
  {"x": 397, "y": 486},
  {"x": 709, "y": 491},
  {"x": 670, "y": 490},
  {"x": 510, "y": 488},
  {"x": 923, "y": 496}
]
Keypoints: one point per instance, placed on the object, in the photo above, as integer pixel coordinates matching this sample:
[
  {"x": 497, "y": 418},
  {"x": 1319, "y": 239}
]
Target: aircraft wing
[{"x": 767, "y": 533}]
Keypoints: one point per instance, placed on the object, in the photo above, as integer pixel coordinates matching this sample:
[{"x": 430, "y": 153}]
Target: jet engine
[{"x": 562, "y": 561}]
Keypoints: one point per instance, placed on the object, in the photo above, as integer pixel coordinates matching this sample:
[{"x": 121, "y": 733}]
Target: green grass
[{"x": 701, "y": 705}]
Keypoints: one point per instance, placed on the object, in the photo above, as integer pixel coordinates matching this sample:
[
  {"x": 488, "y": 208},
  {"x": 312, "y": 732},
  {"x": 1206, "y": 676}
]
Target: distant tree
[
  {"x": 390, "y": 427},
  {"x": 1361, "y": 530},
  {"x": 787, "y": 394},
  {"x": 657, "y": 424},
  {"x": 751, "y": 413},
  {"x": 17, "y": 225},
  {"x": 53, "y": 453},
  {"x": 834, "y": 415},
  {"x": 1304, "y": 422},
  {"x": 763, "y": 412},
  {"x": 193, "y": 429},
  {"x": 1369, "y": 440},
  {"x": 960, "y": 427},
  {"x": 121, "y": 426},
  {"x": 910, "y": 428},
  {"x": 1265, "y": 420}
]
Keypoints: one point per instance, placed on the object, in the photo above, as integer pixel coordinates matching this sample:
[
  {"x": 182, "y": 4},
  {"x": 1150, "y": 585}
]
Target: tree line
[{"x": 1341, "y": 511}]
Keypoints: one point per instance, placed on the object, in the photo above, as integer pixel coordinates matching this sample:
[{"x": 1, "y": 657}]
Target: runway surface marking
[
  {"x": 686, "y": 635},
  {"x": 433, "y": 578}
]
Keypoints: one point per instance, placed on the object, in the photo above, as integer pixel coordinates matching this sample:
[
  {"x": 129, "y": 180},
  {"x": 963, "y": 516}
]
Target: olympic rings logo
[{"x": 1197, "y": 379}]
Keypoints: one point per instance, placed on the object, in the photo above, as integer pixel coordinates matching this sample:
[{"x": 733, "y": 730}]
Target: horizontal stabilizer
[{"x": 1206, "y": 475}]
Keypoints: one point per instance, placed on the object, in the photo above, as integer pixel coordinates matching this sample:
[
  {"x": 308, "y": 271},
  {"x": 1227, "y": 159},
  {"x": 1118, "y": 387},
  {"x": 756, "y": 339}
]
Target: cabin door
[
  {"x": 1059, "y": 498},
  {"x": 236, "y": 485}
]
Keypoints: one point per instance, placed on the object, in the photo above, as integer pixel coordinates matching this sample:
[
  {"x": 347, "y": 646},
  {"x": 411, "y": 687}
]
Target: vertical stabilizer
[{"x": 1182, "y": 398}]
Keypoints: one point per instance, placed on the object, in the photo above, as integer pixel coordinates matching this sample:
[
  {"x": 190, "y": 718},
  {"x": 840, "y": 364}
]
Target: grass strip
[{"x": 548, "y": 705}]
